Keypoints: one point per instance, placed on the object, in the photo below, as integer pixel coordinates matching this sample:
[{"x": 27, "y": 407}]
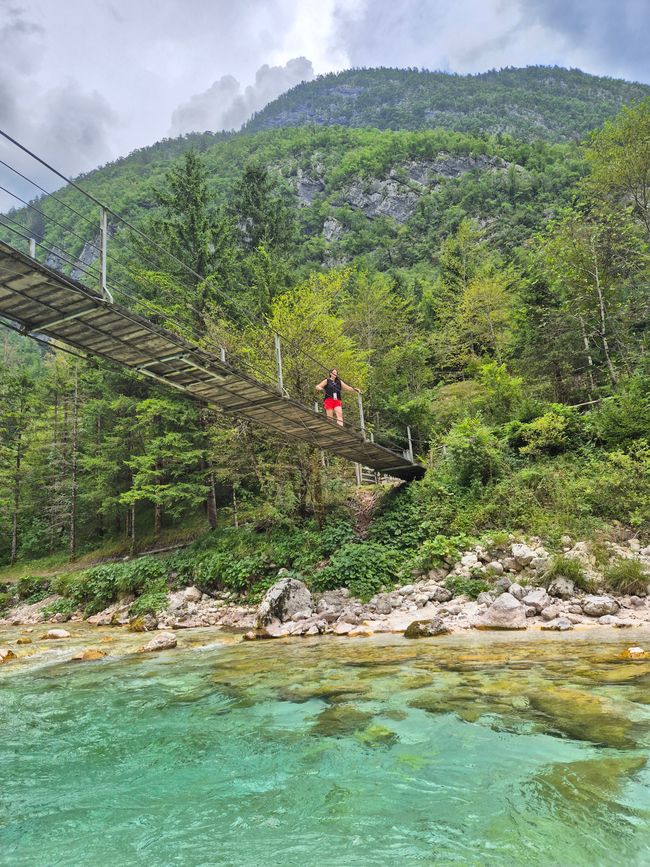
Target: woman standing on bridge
[{"x": 332, "y": 387}]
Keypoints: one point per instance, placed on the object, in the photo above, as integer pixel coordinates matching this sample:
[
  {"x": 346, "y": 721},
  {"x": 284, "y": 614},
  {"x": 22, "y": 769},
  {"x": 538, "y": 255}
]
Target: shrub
[
  {"x": 32, "y": 588},
  {"x": 224, "y": 570},
  {"x": 153, "y": 600},
  {"x": 398, "y": 519},
  {"x": 441, "y": 549},
  {"x": 365, "y": 568},
  {"x": 627, "y": 576},
  {"x": 566, "y": 567},
  {"x": 473, "y": 455},
  {"x": 6, "y": 600},
  {"x": 557, "y": 431},
  {"x": 471, "y": 587},
  {"x": 60, "y": 606},
  {"x": 138, "y": 575},
  {"x": 334, "y": 535}
]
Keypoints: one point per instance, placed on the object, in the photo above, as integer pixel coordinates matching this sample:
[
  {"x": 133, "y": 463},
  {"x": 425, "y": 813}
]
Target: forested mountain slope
[{"x": 550, "y": 103}]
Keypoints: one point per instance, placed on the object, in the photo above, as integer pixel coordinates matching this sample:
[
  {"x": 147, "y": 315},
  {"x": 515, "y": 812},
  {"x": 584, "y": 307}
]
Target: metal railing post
[
  {"x": 103, "y": 247},
  {"x": 278, "y": 362},
  {"x": 361, "y": 418},
  {"x": 222, "y": 353},
  {"x": 408, "y": 432},
  {"x": 32, "y": 247},
  {"x": 357, "y": 469}
]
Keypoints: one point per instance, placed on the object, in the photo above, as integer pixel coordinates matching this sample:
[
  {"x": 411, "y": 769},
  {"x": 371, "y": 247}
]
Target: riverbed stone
[
  {"x": 343, "y": 628},
  {"x": 426, "y": 628},
  {"x": 161, "y": 641},
  {"x": 561, "y": 587},
  {"x": 517, "y": 591},
  {"x": 597, "y": 606},
  {"x": 193, "y": 594},
  {"x": 89, "y": 654},
  {"x": 550, "y": 612},
  {"x": 559, "y": 624},
  {"x": 55, "y": 634},
  {"x": 522, "y": 553},
  {"x": 284, "y": 599},
  {"x": 6, "y": 655},
  {"x": 537, "y": 599},
  {"x": 506, "y": 612}
]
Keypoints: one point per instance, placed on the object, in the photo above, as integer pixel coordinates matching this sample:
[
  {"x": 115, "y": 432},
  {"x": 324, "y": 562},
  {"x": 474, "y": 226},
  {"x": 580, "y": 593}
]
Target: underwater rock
[
  {"x": 162, "y": 641},
  {"x": 506, "y": 612},
  {"x": 23, "y": 640},
  {"x": 284, "y": 599},
  {"x": 636, "y": 653},
  {"x": 583, "y": 716},
  {"x": 426, "y": 628},
  {"x": 90, "y": 653},
  {"x": 6, "y": 654},
  {"x": 597, "y": 606},
  {"x": 340, "y": 720},
  {"x": 377, "y": 736},
  {"x": 54, "y": 634}
]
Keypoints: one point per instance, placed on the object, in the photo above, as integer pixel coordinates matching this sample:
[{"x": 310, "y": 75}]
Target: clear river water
[{"x": 470, "y": 749}]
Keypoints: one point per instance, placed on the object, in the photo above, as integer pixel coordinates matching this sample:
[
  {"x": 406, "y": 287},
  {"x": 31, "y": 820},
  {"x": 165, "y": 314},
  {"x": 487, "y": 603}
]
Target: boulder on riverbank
[
  {"x": 506, "y": 612},
  {"x": 427, "y": 628},
  {"x": 287, "y": 598}
]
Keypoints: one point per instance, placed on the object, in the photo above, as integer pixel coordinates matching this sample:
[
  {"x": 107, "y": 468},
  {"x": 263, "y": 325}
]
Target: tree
[{"x": 261, "y": 216}]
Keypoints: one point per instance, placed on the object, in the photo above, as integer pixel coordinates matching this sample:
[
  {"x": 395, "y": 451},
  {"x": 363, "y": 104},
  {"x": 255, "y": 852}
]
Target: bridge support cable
[{"x": 42, "y": 301}]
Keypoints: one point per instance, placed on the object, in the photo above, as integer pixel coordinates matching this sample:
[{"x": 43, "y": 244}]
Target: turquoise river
[{"x": 473, "y": 749}]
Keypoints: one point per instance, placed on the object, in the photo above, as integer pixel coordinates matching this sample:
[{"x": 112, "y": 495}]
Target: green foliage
[
  {"x": 398, "y": 520},
  {"x": 438, "y": 551},
  {"x": 471, "y": 587},
  {"x": 6, "y": 599},
  {"x": 32, "y": 588},
  {"x": 473, "y": 454},
  {"x": 559, "y": 430},
  {"x": 60, "y": 606},
  {"x": 627, "y": 575},
  {"x": 227, "y": 571},
  {"x": 566, "y": 567},
  {"x": 364, "y": 568},
  {"x": 153, "y": 600}
]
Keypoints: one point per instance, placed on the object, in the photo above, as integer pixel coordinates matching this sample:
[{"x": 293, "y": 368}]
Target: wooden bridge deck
[{"x": 42, "y": 301}]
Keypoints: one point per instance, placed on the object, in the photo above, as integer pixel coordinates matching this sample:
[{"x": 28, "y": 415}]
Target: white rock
[
  {"x": 506, "y": 612},
  {"x": 523, "y": 554},
  {"x": 162, "y": 641},
  {"x": 560, "y": 624},
  {"x": 537, "y": 599},
  {"x": 343, "y": 628},
  {"x": 597, "y": 606},
  {"x": 561, "y": 587},
  {"x": 517, "y": 591},
  {"x": 495, "y": 567},
  {"x": 193, "y": 594},
  {"x": 551, "y": 612},
  {"x": 56, "y": 633}
]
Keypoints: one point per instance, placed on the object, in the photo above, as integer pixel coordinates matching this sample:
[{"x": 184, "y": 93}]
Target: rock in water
[
  {"x": 506, "y": 612},
  {"x": 560, "y": 624},
  {"x": 162, "y": 641},
  {"x": 6, "y": 654},
  {"x": 287, "y": 597},
  {"x": 426, "y": 628},
  {"x": 90, "y": 653},
  {"x": 52, "y": 634}
]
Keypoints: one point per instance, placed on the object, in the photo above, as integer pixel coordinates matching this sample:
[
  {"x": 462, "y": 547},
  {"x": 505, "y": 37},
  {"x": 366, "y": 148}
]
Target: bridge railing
[{"x": 111, "y": 254}]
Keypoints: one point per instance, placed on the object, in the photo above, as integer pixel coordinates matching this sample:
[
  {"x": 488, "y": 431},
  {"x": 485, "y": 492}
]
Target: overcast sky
[{"x": 85, "y": 81}]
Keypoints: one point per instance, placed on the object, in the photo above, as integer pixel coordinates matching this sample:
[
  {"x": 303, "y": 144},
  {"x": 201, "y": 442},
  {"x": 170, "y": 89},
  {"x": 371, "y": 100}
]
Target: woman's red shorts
[{"x": 330, "y": 403}]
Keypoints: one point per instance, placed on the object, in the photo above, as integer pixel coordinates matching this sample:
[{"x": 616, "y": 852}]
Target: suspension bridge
[{"x": 44, "y": 302}]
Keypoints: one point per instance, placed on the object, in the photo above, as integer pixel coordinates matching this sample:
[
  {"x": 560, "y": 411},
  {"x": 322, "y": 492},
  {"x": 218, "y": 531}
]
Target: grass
[
  {"x": 627, "y": 576},
  {"x": 573, "y": 570}
]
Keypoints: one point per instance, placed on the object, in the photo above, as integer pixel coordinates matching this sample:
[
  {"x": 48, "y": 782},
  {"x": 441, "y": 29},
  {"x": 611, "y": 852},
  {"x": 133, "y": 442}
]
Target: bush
[
  {"x": 365, "y": 568},
  {"x": 138, "y": 575},
  {"x": 441, "y": 549},
  {"x": 471, "y": 587},
  {"x": 627, "y": 576},
  {"x": 473, "y": 454},
  {"x": 153, "y": 600},
  {"x": 558, "y": 430},
  {"x": 226, "y": 571},
  {"x": 61, "y": 606},
  {"x": 6, "y": 600},
  {"x": 33, "y": 588},
  {"x": 566, "y": 567},
  {"x": 398, "y": 519}
]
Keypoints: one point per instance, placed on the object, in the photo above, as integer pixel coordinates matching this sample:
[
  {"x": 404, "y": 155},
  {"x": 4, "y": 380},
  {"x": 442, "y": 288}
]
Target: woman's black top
[{"x": 333, "y": 388}]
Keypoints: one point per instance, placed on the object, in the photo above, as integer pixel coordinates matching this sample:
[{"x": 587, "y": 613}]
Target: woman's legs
[
  {"x": 338, "y": 412},
  {"x": 329, "y": 413}
]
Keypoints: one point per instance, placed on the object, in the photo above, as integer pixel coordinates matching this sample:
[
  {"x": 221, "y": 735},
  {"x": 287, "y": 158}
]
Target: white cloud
[{"x": 224, "y": 105}]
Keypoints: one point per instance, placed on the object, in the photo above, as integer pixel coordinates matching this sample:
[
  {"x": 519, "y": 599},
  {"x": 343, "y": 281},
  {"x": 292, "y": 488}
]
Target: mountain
[{"x": 543, "y": 102}]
